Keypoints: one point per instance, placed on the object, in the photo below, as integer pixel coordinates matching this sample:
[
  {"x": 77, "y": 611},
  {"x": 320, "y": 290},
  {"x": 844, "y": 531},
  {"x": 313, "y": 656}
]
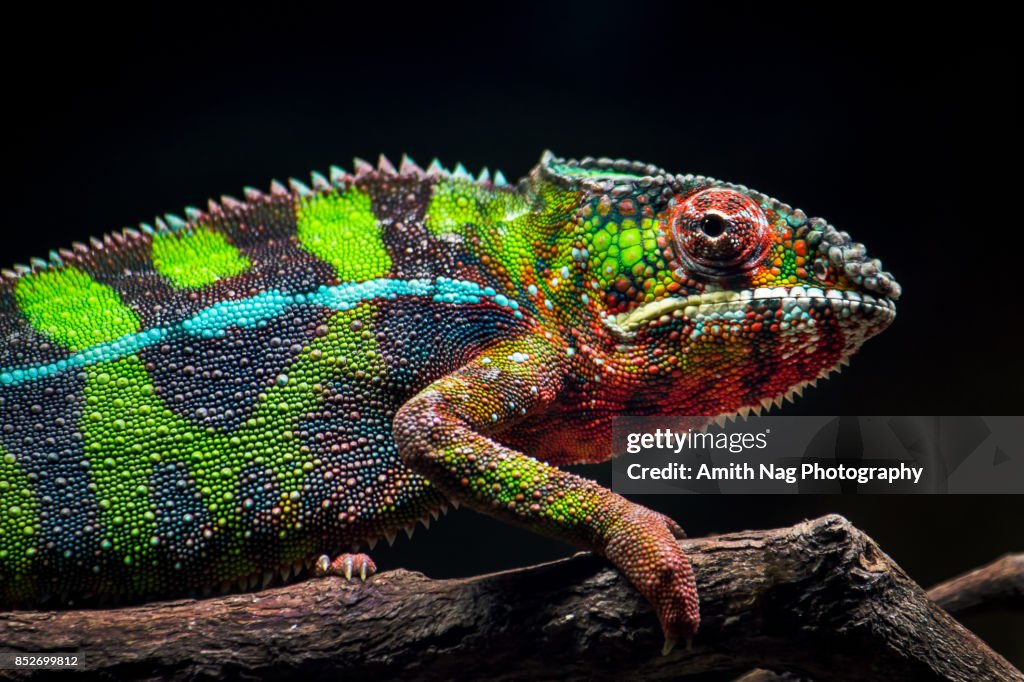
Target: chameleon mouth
[{"x": 796, "y": 302}]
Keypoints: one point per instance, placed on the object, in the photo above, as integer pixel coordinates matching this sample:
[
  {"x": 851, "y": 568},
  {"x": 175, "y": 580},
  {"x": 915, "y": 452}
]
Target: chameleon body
[{"x": 213, "y": 401}]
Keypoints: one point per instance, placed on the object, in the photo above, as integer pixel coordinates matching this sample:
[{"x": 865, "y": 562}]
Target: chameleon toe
[{"x": 347, "y": 566}]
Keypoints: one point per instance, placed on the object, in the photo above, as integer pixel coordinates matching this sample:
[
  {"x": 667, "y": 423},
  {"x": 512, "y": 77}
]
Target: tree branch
[
  {"x": 1000, "y": 583},
  {"x": 819, "y": 599}
]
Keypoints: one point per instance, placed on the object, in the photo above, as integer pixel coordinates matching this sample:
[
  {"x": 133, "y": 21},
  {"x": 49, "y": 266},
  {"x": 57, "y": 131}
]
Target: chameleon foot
[
  {"x": 346, "y": 565},
  {"x": 642, "y": 544}
]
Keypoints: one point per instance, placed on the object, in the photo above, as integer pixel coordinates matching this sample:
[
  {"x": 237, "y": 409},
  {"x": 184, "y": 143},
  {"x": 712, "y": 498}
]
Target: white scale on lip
[{"x": 730, "y": 301}]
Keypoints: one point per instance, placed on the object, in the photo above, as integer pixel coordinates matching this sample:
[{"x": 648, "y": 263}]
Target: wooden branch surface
[
  {"x": 1000, "y": 583},
  {"x": 819, "y": 600}
]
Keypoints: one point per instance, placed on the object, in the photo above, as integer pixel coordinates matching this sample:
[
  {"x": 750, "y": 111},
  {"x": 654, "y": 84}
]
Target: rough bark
[
  {"x": 999, "y": 584},
  {"x": 818, "y": 600}
]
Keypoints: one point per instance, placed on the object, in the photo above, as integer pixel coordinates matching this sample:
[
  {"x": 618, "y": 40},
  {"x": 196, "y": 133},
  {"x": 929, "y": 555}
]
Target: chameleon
[{"x": 267, "y": 386}]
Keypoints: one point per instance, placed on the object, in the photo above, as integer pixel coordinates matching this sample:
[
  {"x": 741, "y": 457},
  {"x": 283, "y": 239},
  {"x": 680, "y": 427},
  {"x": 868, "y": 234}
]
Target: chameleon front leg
[{"x": 443, "y": 433}]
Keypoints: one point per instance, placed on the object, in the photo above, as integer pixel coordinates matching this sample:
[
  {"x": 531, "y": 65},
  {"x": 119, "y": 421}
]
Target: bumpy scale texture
[{"x": 214, "y": 402}]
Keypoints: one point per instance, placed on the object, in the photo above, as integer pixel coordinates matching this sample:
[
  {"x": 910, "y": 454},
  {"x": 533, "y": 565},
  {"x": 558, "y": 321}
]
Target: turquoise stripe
[{"x": 258, "y": 310}]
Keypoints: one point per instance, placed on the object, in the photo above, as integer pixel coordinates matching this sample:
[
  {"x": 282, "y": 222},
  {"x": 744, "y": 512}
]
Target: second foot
[{"x": 346, "y": 565}]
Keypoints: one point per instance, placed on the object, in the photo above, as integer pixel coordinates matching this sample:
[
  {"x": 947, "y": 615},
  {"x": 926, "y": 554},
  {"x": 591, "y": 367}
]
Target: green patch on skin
[
  {"x": 627, "y": 249},
  {"x": 571, "y": 508},
  {"x": 578, "y": 172},
  {"x": 513, "y": 480},
  {"x": 506, "y": 223},
  {"x": 129, "y": 431},
  {"x": 19, "y": 529},
  {"x": 73, "y": 309},
  {"x": 342, "y": 229},
  {"x": 351, "y": 344},
  {"x": 458, "y": 205},
  {"x": 196, "y": 258}
]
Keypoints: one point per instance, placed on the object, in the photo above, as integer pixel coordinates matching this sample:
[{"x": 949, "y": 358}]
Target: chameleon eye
[
  {"x": 713, "y": 225},
  {"x": 719, "y": 230}
]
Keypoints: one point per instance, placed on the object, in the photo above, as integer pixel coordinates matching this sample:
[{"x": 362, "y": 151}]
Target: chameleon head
[{"x": 725, "y": 299}]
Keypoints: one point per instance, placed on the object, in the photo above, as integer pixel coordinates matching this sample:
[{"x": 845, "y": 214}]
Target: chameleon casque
[{"x": 215, "y": 402}]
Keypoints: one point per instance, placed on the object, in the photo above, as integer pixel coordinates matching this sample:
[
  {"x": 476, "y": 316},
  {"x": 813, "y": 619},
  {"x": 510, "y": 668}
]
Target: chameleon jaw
[
  {"x": 629, "y": 323},
  {"x": 717, "y": 303},
  {"x": 767, "y": 404}
]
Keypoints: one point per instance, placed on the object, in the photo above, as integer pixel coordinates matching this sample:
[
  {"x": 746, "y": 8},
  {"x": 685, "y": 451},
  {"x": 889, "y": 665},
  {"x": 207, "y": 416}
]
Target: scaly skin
[{"x": 213, "y": 402}]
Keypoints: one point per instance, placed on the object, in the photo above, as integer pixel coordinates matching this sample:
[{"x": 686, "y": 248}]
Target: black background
[{"x": 899, "y": 127}]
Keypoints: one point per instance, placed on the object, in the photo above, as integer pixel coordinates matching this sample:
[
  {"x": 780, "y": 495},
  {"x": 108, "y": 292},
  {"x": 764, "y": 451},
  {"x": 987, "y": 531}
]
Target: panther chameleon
[{"x": 248, "y": 393}]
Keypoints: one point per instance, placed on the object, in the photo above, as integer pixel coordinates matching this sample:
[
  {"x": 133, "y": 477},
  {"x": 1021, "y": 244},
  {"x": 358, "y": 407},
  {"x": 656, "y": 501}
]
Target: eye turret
[{"x": 719, "y": 231}]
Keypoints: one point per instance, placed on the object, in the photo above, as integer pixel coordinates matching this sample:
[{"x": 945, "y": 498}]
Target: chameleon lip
[{"x": 700, "y": 306}]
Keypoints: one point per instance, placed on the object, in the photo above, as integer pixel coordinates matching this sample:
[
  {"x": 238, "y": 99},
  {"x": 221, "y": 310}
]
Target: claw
[
  {"x": 667, "y": 647},
  {"x": 346, "y": 565}
]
